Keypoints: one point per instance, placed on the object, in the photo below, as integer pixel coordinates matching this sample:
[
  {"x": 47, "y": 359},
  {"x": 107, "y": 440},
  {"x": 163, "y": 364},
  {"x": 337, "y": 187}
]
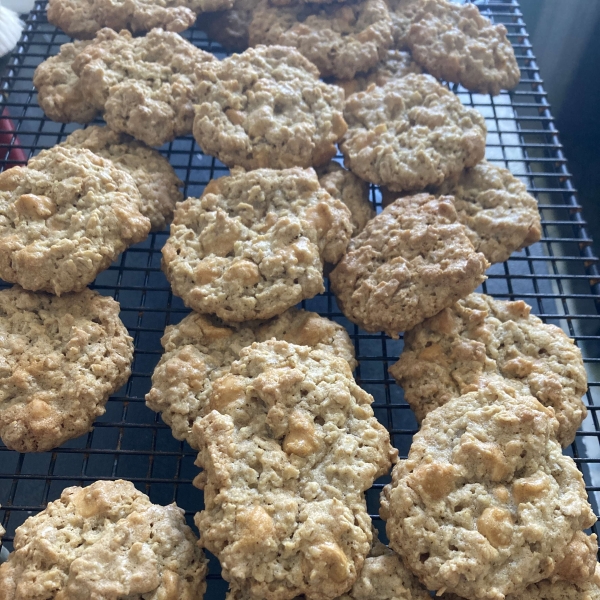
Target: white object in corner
[
  {"x": 19, "y": 6},
  {"x": 11, "y": 28}
]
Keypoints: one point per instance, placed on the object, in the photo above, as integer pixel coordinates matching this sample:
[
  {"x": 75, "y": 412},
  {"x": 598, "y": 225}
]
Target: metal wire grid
[{"x": 558, "y": 276}]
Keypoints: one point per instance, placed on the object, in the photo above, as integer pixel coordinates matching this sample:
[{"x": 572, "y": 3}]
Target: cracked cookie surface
[
  {"x": 457, "y": 43},
  {"x": 64, "y": 218},
  {"x": 351, "y": 190},
  {"x": 288, "y": 451},
  {"x": 448, "y": 354},
  {"x": 155, "y": 178},
  {"x": 394, "y": 65},
  {"x": 409, "y": 262},
  {"x": 267, "y": 108},
  {"x": 410, "y": 133},
  {"x": 486, "y": 503},
  {"x": 254, "y": 243},
  {"x": 60, "y": 360},
  {"x": 200, "y": 350},
  {"x": 106, "y": 540},
  {"x": 340, "y": 39}
]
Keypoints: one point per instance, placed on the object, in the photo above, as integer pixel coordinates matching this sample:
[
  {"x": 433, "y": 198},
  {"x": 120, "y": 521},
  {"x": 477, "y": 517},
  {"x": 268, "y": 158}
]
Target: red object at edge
[{"x": 8, "y": 138}]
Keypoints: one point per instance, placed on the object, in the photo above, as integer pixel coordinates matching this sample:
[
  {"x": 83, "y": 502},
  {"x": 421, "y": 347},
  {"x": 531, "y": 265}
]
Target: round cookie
[
  {"x": 60, "y": 360},
  {"x": 340, "y": 39},
  {"x": 500, "y": 215},
  {"x": 395, "y": 65},
  {"x": 59, "y": 91},
  {"x": 199, "y": 350},
  {"x": 106, "y": 540},
  {"x": 409, "y": 262},
  {"x": 155, "y": 178},
  {"x": 351, "y": 190},
  {"x": 288, "y": 451},
  {"x": 447, "y": 355},
  {"x": 486, "y": 503},
  {"x": 82, "y": 19},
  {"x": 64, "y": 218},
  {"x": 230, "y": 27},
  {"x": 254, "y": 243},
  {"x": 457, "y": 43},
  {"x": 267, "y": 108},
  {"x": 410, "y": 133}
]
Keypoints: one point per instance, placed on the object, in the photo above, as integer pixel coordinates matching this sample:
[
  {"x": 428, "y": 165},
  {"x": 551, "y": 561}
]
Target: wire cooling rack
[{"x": 558, "y": 276}]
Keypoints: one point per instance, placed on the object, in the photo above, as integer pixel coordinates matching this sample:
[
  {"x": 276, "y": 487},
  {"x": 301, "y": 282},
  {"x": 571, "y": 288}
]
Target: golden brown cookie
[
  {"x": 478, "y": 337},
  {"x": 288, "y": 451},
  {"x": 200, "y": 350},
  {"x": 106, "y": 540},
  {"x": 266, "y": 108},
  {"x": 409, "y": 262},
  {"x": 410, "y": 133},
  {"x": 253, "y": 245},
  {"x": 60, "y": 360},
  {"x": 486, "y": 504}
]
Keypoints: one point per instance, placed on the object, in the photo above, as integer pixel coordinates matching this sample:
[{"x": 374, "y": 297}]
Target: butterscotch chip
[
  {"x": 200, "y": 350},
  {"x": 452, "y": 509},
  {"x": 448, "y": 354},
  {"x": 144, "y": 86},
  {"x": 340, "y": 39},
  {"x": 457, "y": 43},
  {"x": 60, "y": 360},
  {"x": 155, "y": 178},
  {"x": 267, "y": 108},
  {"x": 106, "y": 540},
  {"x": 59, "y": 91},
  {"x": 287, "y": 454},
  {"x": 410, "y": 133},
  {"x": 230, "y": 27},
  {"x": 394, "y": 65},
  {"x": 64, "y": 218},
  {"x": 254, "y": 243},
  {"x": 409, "y": 262},
  {"x": 351, "y": 190},
  {"x": 84, "y": 18}
]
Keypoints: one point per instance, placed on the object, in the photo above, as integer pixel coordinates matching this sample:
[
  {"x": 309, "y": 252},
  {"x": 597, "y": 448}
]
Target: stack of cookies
[{"x": 486, "y": 505}]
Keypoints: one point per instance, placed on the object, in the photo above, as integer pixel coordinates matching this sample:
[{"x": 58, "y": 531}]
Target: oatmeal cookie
[
  {"x": 500, "y": 215},
  {"x": 64, "y": 218},
  {"x": 267, "y": 108},
  {"x": 455, "y": 42},
  {"x": 82, "y": 19},
  {"x": 60, "y": 360},
  {"x": 254, "y": 243},
  {"x": 351, "y": 190},
  {"x": 486, "y": 503},
  {"x": 447, "y": 355},
  {"x": 106, "y": 540},
  {"x": 143, "y": 86},
  {"x": 200, "y": 350},
  {"x": 155, "y": 178},
  {"x": 230, "y": 27},
  {"x": 340, "y": 39},
  {"x": 288, "y": 451},
  {"x": 383, "y": 577},
  {"x": 59, "y": 91},
  {"x": 409, "y": 262},
  {"x": 410, "y": 133},
  {"x": 395, "y": 65}
]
